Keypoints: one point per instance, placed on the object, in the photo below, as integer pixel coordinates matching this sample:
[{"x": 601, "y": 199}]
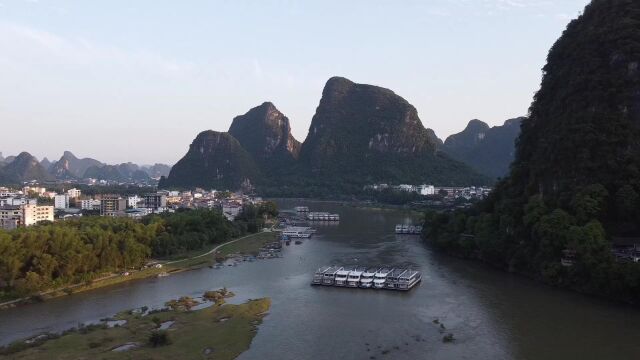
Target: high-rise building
[
  {"x": 155, "y": 201},
  {"x": 61, "y": 201},
  {"x": 74, "y": 193},
  {"x": 113, "y": 206},
  {"x": 33, "y": 214}
]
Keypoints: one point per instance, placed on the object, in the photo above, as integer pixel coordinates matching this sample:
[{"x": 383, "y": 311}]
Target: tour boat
[
  {"x": 398, "y": 229},
  {"x": 380, "y": 278},
  {"x": 329, "y": 276},
  {"x": 366, "y": 279},
  {"x": 392, "y": 278},
  {"x": 319, "y": 274},
  {"x": 341, "y": 276},
  {"x": 353, "y": 280},
  {"x": 408, "y": 279}
]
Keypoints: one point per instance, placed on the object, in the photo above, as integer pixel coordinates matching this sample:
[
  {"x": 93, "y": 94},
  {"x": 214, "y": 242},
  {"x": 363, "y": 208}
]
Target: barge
[{"x": 376, "y": 277}]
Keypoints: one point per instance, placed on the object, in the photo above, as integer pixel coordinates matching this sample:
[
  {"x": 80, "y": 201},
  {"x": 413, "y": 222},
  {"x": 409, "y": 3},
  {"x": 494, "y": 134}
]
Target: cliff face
[
  {"x": 266, "y": 134},
  {"x": 215, "y": 159},
  {"x": 489, "y": 150},
  {"x": 369, "y": 133}
]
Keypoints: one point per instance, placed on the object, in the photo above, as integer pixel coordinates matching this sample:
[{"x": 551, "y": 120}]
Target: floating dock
[
  {"x": 362, "y": 277},
  {"x": 408, "y": 229}
]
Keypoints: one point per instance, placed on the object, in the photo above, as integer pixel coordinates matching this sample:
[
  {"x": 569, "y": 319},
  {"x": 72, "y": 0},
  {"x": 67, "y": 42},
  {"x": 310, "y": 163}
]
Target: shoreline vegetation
[
  {"x": 214, "y": 330},
  {"x": 246, "y": 245},
  {"x": 61, "y": 258}
]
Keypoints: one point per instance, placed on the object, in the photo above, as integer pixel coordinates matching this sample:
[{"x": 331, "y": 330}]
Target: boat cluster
[
  {"x": 377, "y": 277},
  {"x": 322, "y": 216},
  {"x": 300, "y": 232},
  {"x": 408, "y": 229}
]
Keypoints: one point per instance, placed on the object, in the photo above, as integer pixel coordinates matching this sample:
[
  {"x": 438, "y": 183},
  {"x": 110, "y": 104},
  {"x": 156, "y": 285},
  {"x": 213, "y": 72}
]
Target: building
[
  {"x": 13, "y": 216},
  {"x": 39, "y": 191},
  {"x": 112, "y": 206},
  {"x": 74, "y": 193},
  {"x": 155, "y": 201},
  {"x": 84, "y": 204},
  {"x": 17, "y": 201},
  {"x": 132, "y": 201},
  {"x": 426, "y": 190},
  {"x": 61, "y": 201},
  {"x": 10, "y": 216},
  {"x": 33, "y": 214}
]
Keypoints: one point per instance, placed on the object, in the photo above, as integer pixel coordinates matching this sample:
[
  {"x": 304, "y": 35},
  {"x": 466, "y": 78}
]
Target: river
[{"x": 491, "y": 314}]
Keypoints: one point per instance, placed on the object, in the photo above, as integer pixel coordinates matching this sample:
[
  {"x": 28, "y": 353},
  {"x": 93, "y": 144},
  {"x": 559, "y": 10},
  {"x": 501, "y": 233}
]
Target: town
[{"x": 34, "y": 204}]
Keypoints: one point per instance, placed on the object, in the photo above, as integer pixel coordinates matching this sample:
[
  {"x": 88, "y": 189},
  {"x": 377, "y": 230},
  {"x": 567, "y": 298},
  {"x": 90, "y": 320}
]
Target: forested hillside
[{"x": 575, "y": 183}]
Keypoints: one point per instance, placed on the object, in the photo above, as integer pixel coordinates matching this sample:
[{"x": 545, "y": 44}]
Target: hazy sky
[{"x": 137, "y": 80}]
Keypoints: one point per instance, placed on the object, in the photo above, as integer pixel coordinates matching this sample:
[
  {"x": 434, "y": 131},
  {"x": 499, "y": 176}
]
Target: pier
[{"x": 363, "y": 277}]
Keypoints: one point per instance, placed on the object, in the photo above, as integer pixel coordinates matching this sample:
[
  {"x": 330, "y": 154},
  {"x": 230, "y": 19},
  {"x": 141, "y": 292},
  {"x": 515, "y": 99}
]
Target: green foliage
[
  {"x": 575, "y": 180},
  {"x": 159, "y": 338},
  {"x": 73, "y": 251}
]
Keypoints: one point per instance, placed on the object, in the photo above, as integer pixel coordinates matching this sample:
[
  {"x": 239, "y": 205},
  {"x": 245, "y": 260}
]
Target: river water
[{"x": 492, "y": 315}]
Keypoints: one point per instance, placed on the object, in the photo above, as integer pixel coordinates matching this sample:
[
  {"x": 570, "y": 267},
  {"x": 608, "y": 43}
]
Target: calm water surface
[{"x": 492, "y": 315}]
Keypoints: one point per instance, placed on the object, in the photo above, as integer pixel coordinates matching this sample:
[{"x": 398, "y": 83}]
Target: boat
[
  {"x": 329, "y": 276},
  {"x": 163, "y": 274},
  {"x": 366, "y": 279},
  {"x": 297, "y": 232},
  {"x": 319, "y": 275},
  {"x": 353, "y": 280},
  {"x": 298, "y": 242},
  {"x": 380, "y": 278},
  {"x": 392, "y": 278},
  {"x": 405, "y": 229},
  {"x": 341, "y": 275},
  {"x": 408, "y": 279},
  {"x": 398, "y": 229},
  {"x": 302, "y": 209}
]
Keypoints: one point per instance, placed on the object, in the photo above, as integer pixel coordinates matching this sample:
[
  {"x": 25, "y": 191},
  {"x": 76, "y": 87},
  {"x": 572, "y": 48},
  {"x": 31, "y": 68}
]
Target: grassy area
[
  {"x": 249, "y": 245},
  {"x": 216, "y": 332}
]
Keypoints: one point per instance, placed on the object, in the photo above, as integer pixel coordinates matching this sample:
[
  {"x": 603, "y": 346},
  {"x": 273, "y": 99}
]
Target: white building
[
  {"x": 427, "y": 190},
  {"x": 61, "y": 201},
  {"x": 74, "y": 193},
  {"x": 33, "y": 214},
  {"x": 132, "y": 201}
]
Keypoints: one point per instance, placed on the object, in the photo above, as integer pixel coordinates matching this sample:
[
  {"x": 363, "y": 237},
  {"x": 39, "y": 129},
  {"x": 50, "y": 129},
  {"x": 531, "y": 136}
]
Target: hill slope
[
  {"x": 489, "y": 150},
  {"x": 214, "y": 160},
  {"x": 266, "y": 134},
  {"x": 575, "y": 181},
  {"x": 366, "y": 134}
]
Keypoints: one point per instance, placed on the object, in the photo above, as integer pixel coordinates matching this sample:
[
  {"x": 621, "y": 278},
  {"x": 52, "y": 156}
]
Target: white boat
[
  {"x": 302, "y": 209},
  {"x": 398, "y": 229},
  {"x": 319, "y": 274},
  {"x": 342, "y": 275},
  {"x": 380, "y": 278},
  {"x": 392, "y": 278},
  {"x": 405, "y": 229},
  {"x": 329, "y": 276},
  {"x": 408, "y": 279},
  {"x": 297, "y": 232},
  {"x": 366, "y": 279},
  {"x": 353, "y": 279}
]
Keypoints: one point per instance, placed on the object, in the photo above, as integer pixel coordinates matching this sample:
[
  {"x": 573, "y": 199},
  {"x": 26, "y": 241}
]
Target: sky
[{"x": 137, "y": 80}]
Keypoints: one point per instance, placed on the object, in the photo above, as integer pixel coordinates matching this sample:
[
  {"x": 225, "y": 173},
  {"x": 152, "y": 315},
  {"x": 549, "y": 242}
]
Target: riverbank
[
  {"x": 214, "y": 332},
  {"x": 203, "y": 258}
]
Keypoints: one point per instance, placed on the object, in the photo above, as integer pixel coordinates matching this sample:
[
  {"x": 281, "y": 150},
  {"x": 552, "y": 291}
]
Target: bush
[{"x": 159, "y": 338}]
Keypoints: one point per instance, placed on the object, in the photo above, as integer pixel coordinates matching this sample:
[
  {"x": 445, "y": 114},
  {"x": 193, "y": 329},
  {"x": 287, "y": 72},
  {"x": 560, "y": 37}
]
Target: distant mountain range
[
  {"x": 26, "y": 167},
  {"x": 361, "y": 134},
  {"x": 489, "y": 150}
]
